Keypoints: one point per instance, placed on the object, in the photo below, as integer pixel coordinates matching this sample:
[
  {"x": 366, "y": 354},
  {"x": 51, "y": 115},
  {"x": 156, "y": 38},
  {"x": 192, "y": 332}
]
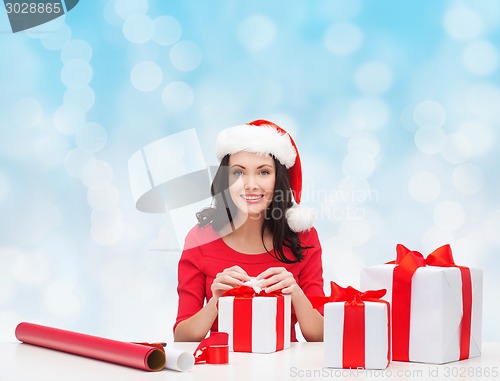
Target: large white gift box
[{"x": 444, "y": 307}]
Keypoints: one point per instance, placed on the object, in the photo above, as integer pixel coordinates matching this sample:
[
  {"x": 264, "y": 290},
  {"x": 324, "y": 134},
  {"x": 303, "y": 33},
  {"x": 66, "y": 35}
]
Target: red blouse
[{"x": 205, "y": 255}]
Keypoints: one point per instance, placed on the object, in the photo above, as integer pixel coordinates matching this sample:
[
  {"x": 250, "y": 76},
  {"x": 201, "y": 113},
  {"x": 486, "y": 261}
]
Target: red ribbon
[
  {"x": 213, "y": 349},
  {"x": 408, "y": 262},
  {"x": 242, "y": 317},
  {"x": 353, "y": 344}
]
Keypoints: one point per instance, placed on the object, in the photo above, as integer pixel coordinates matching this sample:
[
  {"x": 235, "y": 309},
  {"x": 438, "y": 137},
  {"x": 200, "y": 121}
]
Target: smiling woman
[{"x": 253, "y": 229}]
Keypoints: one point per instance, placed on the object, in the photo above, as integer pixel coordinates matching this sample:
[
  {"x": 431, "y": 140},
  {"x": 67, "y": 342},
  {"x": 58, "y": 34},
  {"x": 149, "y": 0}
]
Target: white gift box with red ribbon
[
  {"x": 438, "y": 319},
  {"x": 356, "y": 328},
  {"x": 375, "y": 326},
  {"x": 257, "y": 324}
]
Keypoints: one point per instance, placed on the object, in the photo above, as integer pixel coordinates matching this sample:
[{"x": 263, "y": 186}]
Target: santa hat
[{"x": 267, "y": 138}]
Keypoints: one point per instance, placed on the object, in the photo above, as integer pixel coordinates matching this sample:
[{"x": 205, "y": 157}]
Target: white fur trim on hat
[
  {"x": 300, "y": 218},
  {"x": 257, "y": 139}
]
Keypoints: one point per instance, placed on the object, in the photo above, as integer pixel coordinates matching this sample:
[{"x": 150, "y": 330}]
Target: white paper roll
[{"x": 178, "y": 360}]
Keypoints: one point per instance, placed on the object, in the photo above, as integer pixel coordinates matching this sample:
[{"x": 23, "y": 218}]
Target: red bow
[
  {"x": 349, "y": 295},
  {"x": 249, "y": 292},
  {"x": 408, "y": 262}
]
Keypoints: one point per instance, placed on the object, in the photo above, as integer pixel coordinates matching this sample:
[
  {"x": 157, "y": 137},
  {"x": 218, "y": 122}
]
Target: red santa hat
[{"x": 267, "y": 138}]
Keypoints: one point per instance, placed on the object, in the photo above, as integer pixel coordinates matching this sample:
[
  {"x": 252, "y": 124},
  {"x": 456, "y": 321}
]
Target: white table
[{"x": 303, "y": 361}]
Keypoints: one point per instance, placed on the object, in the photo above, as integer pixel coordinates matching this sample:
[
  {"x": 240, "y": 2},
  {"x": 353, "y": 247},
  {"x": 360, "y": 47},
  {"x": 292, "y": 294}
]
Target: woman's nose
[{"x": 250, "y": 182}]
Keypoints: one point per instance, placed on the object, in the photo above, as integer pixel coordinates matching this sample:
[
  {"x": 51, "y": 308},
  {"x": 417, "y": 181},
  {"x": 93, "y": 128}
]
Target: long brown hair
[{"x": 223, "y": 210}]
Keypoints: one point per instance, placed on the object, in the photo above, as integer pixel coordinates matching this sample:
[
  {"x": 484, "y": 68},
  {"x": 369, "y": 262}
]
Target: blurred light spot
[
  {"x": 110, "y": 15},
  {"x": 354, "y": 191},
  {"x": 457, "y": 149},
  {"x": 364, "y": 142},
  {"x": 340, "y": 10},
  {"x": 185, "y": 56},
  {"x": 60, "y": 300},
  {"x": 6, "y": 290},
  {"x": 147, "y": 285},
  {"x": 107, "y": 215},
  {"x": 138, "y": 29},
  {"x": 107, "y": 226},
  {"x": 358, "y": 164},
  {"x": 348, "y": 126},
  {"x": 92, "y": 137},
  {"x": 468, "y": 178},
  {"x": 257, "y": 32},
  {"x": 76, "y": 73},
  {"x": 491, "y": 227},
  {"x": 50, "y": 150},
  {"x": 177, "y": 96},
  {"x": 83, "y": 98},
  {"x": 103, "y": 196},
  {"x": 27, "y": 112},
  {"x": 167, "y": 30},
  {"x": 75, "y": 160},
  {"x": 462, "y": 23},
  {"x": 483, "y": 99},
  {"x": 146, "y": 76},
  {"x": 343, "y": 39},
  {"x": 435, "y": 237},
  {"x": 5, "y": 186},
  {"x": 429, "y": 113},
  {"x": 369, "y": 113},
  {"x": 40, "y": 219},
  {"x": 127, "y": 8},
  {"x": 480, "y": 58},
  {"x": 96, "y": 172},
  {"x": 424, "y": 187},
  {"x": 76, "y": 49},
  {"x": 69, "y": 119},
  {"x": 31, "y": 269},
  {"x": 355, "y": 231},
  {"x": 373, "y": 78},
  {"x": 430, "y": 140},
  {"x": 449, "y": 215},
  {"x": 58, "y": 39},
  {"x": 480, "y": 137}
]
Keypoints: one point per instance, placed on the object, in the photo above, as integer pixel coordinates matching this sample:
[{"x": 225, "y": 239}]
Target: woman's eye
[
  {"x": 237, "y": 173},
  {"x": 264, "y": 172}
]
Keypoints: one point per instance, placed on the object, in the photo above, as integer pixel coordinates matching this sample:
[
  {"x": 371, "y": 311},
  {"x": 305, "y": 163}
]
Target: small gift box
[
  {"x": 436, "y": 305},
  {"x": 356, "y": 328},
  {"x": 256, "y": 322}
]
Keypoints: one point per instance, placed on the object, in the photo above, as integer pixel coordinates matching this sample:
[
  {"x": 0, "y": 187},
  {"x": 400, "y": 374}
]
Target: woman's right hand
[{"x": 227, "y": 279}]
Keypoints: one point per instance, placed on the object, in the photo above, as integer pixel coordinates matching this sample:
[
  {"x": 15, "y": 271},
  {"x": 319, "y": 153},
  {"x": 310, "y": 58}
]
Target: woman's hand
[
  {"x": 227, "y": 279},
  {"x": 278, "y": 278}
]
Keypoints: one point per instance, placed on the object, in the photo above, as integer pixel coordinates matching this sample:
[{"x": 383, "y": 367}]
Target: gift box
[
  {"x": 255, "y": 322},
  {"x": 436, "y": 306},
  {"x": 356, "y": 328}
]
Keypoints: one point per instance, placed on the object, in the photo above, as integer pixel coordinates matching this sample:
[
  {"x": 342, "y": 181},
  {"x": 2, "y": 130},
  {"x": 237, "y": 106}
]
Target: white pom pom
[{"x": 300, "y": 218}]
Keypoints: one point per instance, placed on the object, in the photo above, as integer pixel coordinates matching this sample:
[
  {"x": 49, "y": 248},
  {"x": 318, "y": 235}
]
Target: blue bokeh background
[{"x": 393, "y": 105}]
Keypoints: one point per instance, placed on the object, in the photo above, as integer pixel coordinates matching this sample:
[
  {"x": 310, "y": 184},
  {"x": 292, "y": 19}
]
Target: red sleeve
[
  {"x": 311, "y": 276},
  {"x": 191, "y": 280}
]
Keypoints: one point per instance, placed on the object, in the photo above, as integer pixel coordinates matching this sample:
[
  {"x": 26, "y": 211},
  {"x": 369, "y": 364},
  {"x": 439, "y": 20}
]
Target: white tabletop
[{"x": 303, "y": 361}]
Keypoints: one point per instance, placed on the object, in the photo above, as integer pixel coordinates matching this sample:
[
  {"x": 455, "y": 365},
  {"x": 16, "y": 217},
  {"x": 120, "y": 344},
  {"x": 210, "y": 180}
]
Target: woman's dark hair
[{"x": 224, "y": 209}]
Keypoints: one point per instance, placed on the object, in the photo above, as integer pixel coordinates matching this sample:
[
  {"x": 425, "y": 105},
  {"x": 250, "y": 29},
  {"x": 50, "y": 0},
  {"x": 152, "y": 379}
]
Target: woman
[{"x": 254, "y": 230}]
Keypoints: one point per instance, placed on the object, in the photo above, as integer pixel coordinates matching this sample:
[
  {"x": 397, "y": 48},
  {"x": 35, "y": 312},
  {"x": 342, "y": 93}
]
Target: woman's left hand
[{"x": 278, "y": 278}]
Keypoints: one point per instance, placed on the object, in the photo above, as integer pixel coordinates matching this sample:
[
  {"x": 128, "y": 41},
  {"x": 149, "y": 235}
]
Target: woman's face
[{"x": 251, "y": 182}]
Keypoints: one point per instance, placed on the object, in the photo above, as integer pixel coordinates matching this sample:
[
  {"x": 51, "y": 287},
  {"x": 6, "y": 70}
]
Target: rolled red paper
[{"x": 118, "y": 352}]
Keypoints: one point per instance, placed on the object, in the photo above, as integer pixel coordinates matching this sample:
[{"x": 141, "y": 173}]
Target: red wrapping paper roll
[{"x": 128, "y": 354}]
